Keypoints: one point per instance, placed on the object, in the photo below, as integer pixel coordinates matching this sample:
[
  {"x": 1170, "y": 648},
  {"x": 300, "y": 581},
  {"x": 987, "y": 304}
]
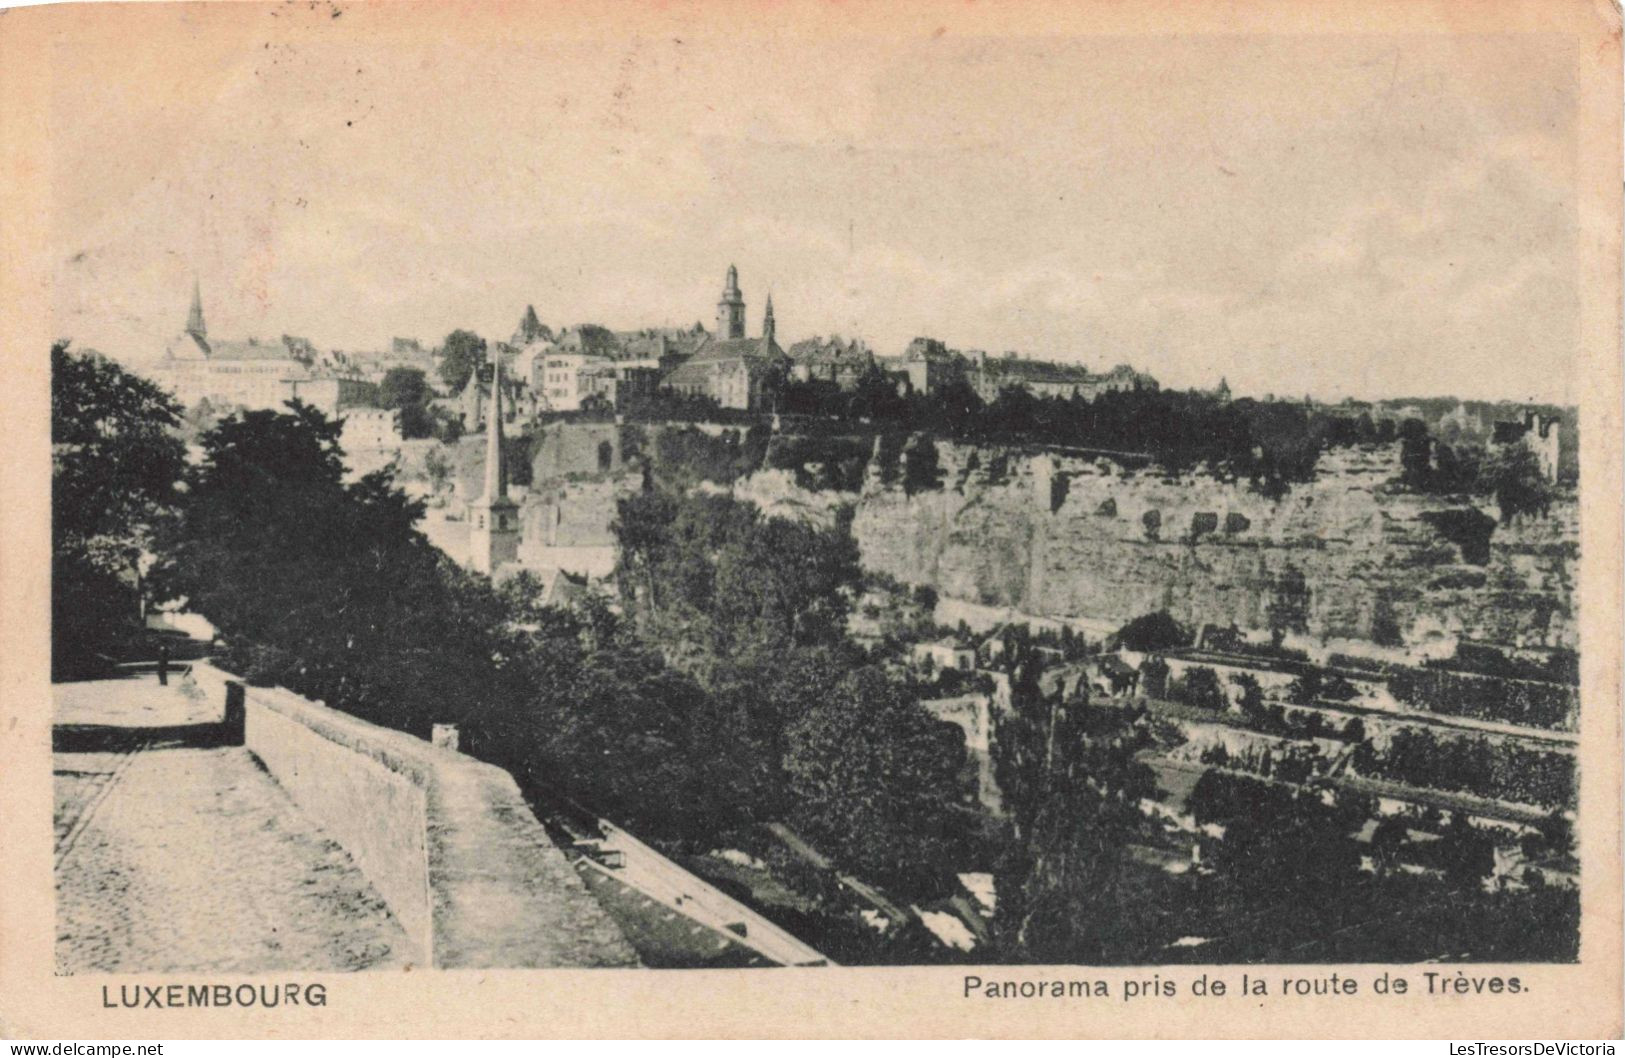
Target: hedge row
[
  {"x": 1551, "y": 706},
  {"x": 1485, "y": 767}
]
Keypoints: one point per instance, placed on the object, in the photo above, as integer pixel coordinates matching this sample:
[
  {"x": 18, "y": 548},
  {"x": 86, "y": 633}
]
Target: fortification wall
[{"x": 447, "y": 841}]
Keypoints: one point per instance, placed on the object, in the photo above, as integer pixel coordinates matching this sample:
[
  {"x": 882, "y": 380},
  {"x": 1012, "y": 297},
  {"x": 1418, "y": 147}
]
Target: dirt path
[{"x": 189, "y": 859}]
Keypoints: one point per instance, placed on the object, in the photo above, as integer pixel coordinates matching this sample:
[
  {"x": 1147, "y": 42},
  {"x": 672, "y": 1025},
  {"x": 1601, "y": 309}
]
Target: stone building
[
  {"x": 832, "y": 359},
  {"x": 929, "y": 365},
  {"x": 253, "y": 374},
  {"x": 735, "y": 371},
  {"x": 563, "y": 377},
  {"x": 1046, "y": 378}
]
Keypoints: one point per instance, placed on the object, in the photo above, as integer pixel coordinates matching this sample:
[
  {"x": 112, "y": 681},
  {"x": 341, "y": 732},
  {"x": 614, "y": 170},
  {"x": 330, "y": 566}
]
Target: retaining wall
[{"x": 447, "y": 840}]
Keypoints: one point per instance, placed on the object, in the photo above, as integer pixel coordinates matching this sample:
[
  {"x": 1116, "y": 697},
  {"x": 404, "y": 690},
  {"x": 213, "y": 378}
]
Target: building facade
[
  {"x": 833, "y": 359},
  {"x": 252, "y": 374},
  {"x": 1048, "y": 378},
  {"x": 735, "y": 371}
]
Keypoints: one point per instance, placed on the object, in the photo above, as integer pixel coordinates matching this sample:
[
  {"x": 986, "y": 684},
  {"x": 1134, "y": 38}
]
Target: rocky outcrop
[{"x": 1347, "y": 555}]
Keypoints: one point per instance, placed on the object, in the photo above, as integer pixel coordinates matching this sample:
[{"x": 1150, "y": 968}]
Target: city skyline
[{"x": 1157, "y": 201}]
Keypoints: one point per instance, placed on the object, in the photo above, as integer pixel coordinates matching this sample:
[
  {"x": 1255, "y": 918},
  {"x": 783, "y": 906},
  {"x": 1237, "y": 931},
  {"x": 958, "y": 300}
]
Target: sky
[{"x": 1338, "y": 215}]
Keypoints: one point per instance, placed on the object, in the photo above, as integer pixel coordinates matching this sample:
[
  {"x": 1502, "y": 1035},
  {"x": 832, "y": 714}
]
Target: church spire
[
  {"x": 493, "y": 519},
  {"x": 194, "y": 318},
  {"x": 767, "y": 320},
  {"x": 496, "y": 477}
]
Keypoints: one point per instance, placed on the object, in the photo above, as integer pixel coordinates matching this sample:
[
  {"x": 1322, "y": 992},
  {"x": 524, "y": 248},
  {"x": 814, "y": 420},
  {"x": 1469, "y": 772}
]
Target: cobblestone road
[{"x": 188, "y": 859}]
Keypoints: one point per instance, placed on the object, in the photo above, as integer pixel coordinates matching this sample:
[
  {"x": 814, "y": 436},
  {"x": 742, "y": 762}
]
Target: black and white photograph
[{"x": 529, "y": 493}]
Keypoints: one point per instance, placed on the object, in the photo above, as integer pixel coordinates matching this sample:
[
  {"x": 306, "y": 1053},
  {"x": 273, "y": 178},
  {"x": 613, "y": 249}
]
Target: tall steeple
[
  {"x": 731, "y": 308},
  {"x": 493, "y": 519},
  {"x": 496, "y": 471},
  {"x": 767, "y": 320},
  {"x": 194, "y": 318}
]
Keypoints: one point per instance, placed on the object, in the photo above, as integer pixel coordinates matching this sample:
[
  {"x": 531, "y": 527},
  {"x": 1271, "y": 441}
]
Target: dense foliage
[
  {"x": 115, "y": 459},
  {"x": 754, "y": 609},
  {"x": 1068, "y": 888},
  {"x": 1200, "y": 688},
  {"x": 684, "y": 457}
]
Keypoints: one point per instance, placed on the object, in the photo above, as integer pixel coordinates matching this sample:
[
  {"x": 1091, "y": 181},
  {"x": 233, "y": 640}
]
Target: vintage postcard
[{"x": 1013, "y": 519}]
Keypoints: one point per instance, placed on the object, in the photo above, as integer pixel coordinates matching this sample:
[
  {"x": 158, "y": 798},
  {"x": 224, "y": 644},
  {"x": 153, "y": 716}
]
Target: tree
[
  {"x": 445, "y": 427},
  {"x": 714, "y": 582},
  {"x": 1282, "y": 847},
  {"x": 437, "y": 467},
  {"x": 1252, "y": 694},
  {"x": 115, "y": 460},
  {"x": 1466, "y": 853},
  {"x": 1385, "y": 630},
  {"x": 874, "y": 778},
  {"x": 1308, "y": 688},
  {"x": 403, "y": 386},
  {"x": 462, "y": 353},
  {"x": 406, "y": 388},
  {"x": 1415, "y": 454},
  {"x": 874, "y": 396},
  {"x": 1513, "y": 476},
  {"x": 1154, "y": 678},
  {"x": 921, "y": 470},
  {"x": 1557, "y": 833},
  {"x": 1387, "y": 841},
  {"x": 291, "y": 562},
  {"x": 1072, "y": 786}
]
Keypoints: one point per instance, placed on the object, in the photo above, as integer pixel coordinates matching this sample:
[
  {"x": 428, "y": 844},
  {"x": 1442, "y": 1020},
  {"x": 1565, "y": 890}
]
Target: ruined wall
[
  {"x": 1345, "y": 555},
  {"x": 584, "y": 448}
]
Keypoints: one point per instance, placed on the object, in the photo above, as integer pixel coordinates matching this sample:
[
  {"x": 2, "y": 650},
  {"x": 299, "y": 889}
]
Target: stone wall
[
  {"x": 447, "y": 841},
  {"x": 1343, "y": 556}
]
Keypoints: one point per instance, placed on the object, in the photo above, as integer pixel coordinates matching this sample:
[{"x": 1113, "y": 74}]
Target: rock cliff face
[{"x": 1346, "y": 555}]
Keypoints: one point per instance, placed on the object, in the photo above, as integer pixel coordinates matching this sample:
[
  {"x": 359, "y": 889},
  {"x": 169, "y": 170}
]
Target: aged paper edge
[{"x": 1579, "y": 1001}]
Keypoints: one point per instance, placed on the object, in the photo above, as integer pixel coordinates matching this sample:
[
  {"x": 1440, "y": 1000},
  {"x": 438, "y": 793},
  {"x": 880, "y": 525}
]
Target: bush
[
  {"x": 822, "y": 463},
  {"x": 1153, "y": 632},
  {"x": 1201, "y": 688}
]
